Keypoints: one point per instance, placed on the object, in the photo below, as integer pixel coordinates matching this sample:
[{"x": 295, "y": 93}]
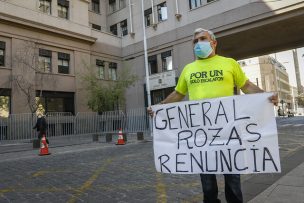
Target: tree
[
  {"x": 29, "y": 75},
  {"x": 300, "y": 100},
  {"x": 107, "y": 95}
]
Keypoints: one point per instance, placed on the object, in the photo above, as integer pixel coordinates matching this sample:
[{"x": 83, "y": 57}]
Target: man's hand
[
  {"x": 173, "y": 97},
  {"x": 274, "y": 99},
  {"x": 150, "y": 111}
]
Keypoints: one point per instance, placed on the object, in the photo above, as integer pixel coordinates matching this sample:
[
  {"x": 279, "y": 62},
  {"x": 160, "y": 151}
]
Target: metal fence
[{"x": 20, "y": 126}]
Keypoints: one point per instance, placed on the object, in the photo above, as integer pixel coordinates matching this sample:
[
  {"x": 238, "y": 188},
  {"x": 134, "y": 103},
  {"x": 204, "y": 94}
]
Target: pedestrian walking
[
  {"x": 41, "y": 126},
  {"x": 213, "y": 76}
]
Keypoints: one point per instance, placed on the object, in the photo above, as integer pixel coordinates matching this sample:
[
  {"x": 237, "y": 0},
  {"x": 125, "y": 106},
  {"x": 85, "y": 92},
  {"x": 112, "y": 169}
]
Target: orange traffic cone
[
  {"x": 44, "y": 148},
  {"x": 120, "y": 140}
]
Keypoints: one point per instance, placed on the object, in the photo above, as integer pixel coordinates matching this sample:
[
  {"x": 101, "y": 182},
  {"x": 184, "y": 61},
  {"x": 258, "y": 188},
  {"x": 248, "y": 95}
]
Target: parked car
[
  {"x": 290, "y": 114},
  {"x": 281, "y": 112}
]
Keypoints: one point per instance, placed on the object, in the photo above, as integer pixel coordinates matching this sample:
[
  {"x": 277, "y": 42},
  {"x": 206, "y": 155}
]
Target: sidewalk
[
  {"x": 64, "y": 141},
  {"x": 289, "y": 188}
]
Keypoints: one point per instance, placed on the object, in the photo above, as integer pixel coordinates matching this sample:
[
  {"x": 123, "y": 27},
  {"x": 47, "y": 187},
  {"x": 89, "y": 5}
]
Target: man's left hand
[{"x": 274, "y": 99}]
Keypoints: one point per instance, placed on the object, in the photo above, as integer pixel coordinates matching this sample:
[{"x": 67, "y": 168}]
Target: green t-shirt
[{"x": 210, "y": 78}]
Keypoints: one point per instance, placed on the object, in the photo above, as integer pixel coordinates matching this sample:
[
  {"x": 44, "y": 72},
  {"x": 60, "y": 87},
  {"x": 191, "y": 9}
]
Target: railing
[
  {"x": 17, "y": 127},
  {"x": 20, "y": 126}
]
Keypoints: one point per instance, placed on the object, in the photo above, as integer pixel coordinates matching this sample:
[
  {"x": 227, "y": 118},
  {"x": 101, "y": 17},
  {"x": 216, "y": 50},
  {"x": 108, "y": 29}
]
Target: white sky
[{"x": 286, "y": 59}]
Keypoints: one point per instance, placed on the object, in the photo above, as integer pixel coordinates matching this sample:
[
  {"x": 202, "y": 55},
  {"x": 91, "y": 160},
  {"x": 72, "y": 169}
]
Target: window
[
  {"x": 152, "y": 60},
  {"x": 2, "y": 53},
  {"x": 113, "y": 29},
  {"x": 148, "y": 17},
  {"x": 195, "y": 3},
  {"x": 45, "y": 58},
  {"x": 63, "y": 8},
  {"x": 96, "y": 27},
  {"x": 124, "y": 27},
  {"x": 112, "y": 71},
  {"x": 5, "y": 100},
  {"x": 63, "y": 63},
  {"x": 122, "y": 3},
  {"x": 56, "y": 101},
  {"x": 96, "y": 6},
  {"x": 112, "y": 6},
  {"x": 162, "y": 12},
  {"x": 45, "y": 6},
  {"x": 100, "y": 68},
  {"x": 166, "y": 61},
  {"x": 159, "y": 95}
]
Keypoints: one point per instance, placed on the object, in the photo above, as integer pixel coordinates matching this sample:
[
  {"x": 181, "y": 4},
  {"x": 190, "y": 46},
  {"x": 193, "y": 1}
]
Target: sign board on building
[{"x": 162, "y": 80}]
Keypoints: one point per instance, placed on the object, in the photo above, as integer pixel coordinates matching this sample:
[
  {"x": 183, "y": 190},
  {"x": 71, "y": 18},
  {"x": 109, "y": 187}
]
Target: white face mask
[{"x": 203, "y": 49}]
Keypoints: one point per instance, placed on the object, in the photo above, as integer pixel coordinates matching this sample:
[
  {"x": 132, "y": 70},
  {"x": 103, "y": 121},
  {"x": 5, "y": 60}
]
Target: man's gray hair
[{"x": 199, "y": 30}]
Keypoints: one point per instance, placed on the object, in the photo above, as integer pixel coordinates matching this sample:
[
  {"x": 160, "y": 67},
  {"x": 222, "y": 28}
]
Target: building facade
[
  {"x": 46, "y": 46},
  {"x": 271, "y": 76}
]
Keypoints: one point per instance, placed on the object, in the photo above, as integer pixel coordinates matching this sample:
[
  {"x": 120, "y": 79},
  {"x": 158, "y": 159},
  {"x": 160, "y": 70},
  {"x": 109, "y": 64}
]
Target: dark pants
[
  {"x": 233, "y": 192},
  {"x": 40, "y": 134}
]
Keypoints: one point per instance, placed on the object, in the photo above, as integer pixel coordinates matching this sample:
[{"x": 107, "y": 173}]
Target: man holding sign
[{"x": 210, "y": 76}]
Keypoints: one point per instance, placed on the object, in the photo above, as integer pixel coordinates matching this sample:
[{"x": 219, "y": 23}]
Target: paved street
[
  {"x": 291, "y": 143},
  {"x": 101, "y": 172},
  {"x": 291, "y": 135}
]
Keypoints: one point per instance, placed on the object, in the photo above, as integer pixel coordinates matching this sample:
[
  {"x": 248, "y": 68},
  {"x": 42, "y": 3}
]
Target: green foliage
[
  {"x": 107, "y": 95},
  {"x": 4, "y": 106},
  {"x": 300, "y": 99}
]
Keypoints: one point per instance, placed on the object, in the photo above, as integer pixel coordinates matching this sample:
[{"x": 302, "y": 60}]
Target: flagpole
[{"x": 146, "y": 63}]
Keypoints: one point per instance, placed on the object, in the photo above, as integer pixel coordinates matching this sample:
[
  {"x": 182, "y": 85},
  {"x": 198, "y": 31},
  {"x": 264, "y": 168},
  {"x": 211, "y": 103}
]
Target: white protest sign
[{"x": 229, "y": 135}]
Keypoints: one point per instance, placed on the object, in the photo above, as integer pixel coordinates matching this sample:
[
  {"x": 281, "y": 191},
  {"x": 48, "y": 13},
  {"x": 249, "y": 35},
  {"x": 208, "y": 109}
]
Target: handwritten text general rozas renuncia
[{"x": 212, "y": 137}]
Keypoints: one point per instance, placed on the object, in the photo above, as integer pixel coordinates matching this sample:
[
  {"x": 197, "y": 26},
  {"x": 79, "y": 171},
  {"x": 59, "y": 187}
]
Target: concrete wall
[
  {"x": 72, "y": 36},
  {"x": 23, "y": 75},
  {"x": 81, "y": 59},
  {"x": 135, "y": 93},
  {"x": 18, "y": 40},
  {"x": 28, "y": 12},
  {"x": 76, "y": 13},
  {"x": 220, "y": 14}
]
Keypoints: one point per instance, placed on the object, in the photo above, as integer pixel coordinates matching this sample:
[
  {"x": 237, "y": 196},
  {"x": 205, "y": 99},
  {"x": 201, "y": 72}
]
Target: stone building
[
  {"x": 46, "y": 45},
  {"x": 271, "y": 76}
]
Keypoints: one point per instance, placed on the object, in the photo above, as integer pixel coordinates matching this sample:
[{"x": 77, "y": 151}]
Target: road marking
[
  {"x": 2, "y": 191},
  {"x": 194, "y": 198},
  {"x": 160, "y": 189},
  {"x": 285, "y": 125},
  {"x": 298, "y": 125},
  {"x": 111, "y": 188},
  {"x": 87, "y": 185},
  {"x": 44, "y": 172},
  {"x": 33, "y": 190},
  {"x": 114, "y": 187},
  {"x": 39, "y": 173}
]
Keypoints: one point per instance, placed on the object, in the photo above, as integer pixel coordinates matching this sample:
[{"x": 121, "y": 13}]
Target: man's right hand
[{"x": 173, "y": 97}]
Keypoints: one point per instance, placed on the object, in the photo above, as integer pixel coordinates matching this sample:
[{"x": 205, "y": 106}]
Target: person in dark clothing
[{"x": 41, "y": 126}]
